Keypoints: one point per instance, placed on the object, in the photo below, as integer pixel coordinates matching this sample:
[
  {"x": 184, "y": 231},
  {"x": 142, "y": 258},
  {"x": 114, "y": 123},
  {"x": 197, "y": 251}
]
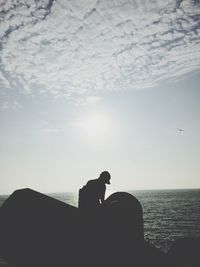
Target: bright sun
[{"x": 95, "y": 125}]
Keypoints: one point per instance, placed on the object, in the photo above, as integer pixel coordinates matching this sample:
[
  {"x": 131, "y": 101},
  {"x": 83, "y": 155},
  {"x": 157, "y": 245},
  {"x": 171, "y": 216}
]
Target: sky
[{"x": 94, "y": 85}]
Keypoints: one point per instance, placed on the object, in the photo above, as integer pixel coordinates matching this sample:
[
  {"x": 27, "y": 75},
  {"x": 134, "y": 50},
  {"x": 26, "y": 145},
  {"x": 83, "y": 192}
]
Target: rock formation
[
  {"x": 185, "y": 252},
  {"x": 39, "y": 231}
]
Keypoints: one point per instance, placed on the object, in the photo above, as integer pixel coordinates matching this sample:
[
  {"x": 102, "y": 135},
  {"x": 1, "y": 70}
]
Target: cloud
[
  {"x": 85, "y": 47},
  {"x": 87, "y": 101},
  {"x": 11, "y": 105}
]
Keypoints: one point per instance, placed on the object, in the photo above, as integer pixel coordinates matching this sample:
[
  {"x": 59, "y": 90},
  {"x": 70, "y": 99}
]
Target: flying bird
[{"x": 180, "y": 130}]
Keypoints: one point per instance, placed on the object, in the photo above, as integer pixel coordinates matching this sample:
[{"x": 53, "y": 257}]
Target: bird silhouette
[{"x": 180, "y": 130}]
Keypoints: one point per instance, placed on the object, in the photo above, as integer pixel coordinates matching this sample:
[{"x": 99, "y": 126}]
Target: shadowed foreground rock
[
  {"x": 185, "y": 253},
  {"x": 37, "y": 230}
]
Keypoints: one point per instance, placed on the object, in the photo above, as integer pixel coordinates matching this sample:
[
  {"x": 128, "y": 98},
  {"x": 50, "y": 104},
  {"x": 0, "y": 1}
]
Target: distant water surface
[{"x": 168, "y": 214}]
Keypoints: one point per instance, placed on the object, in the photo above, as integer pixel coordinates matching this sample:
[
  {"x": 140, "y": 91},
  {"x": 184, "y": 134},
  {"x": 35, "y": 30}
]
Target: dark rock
[
  {"x": 185, "y": 253},
  {"x": 39, "y": 231},
  {"x": 36, "y": 230}
]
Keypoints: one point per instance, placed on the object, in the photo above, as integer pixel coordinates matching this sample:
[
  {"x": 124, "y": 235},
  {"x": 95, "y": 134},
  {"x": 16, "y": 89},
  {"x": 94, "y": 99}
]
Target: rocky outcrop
[
  {"x": 37, "y": 230},
  {"x": 185, "y": 252}
]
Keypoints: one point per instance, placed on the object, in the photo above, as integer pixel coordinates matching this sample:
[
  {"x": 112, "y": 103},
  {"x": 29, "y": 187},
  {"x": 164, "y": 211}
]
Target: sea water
[{"x": 168, "y": 214}]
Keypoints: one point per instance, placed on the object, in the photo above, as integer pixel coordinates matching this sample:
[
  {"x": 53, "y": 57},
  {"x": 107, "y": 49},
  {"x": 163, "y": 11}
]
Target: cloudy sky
[{"x": 89, "y": 85}]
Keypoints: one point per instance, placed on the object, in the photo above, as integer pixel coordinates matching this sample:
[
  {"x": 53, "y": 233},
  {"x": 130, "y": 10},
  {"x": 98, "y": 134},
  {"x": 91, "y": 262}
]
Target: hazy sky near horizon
[{"x": 87, "y": 86}]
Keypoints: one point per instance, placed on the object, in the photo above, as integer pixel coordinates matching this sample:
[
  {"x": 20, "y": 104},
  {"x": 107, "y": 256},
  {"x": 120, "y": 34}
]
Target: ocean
[{"x": 168, "y": 214}]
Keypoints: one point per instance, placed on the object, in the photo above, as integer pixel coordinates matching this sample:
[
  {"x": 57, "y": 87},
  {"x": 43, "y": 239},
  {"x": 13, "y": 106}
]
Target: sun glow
[{"x": 97, "y": 126}]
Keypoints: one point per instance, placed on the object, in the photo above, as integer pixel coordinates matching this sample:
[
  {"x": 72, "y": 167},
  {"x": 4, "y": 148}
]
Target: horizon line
[{"x": 129, "y": 190}]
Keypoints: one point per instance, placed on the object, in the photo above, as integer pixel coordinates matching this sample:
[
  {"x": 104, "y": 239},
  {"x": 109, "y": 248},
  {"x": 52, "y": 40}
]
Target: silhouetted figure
[{"x": 92, "y": 195}]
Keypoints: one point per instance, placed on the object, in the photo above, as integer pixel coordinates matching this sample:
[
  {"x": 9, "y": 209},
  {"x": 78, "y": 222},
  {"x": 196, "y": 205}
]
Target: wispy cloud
[
  {"x": 11, "y": 105},
  {"x": 87, "y": 101},
  {"x": 70, "y": 48}
]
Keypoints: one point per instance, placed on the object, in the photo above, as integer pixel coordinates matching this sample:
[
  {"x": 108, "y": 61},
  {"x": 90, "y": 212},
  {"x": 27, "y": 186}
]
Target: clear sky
[{"x": 87, "y": 86}]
